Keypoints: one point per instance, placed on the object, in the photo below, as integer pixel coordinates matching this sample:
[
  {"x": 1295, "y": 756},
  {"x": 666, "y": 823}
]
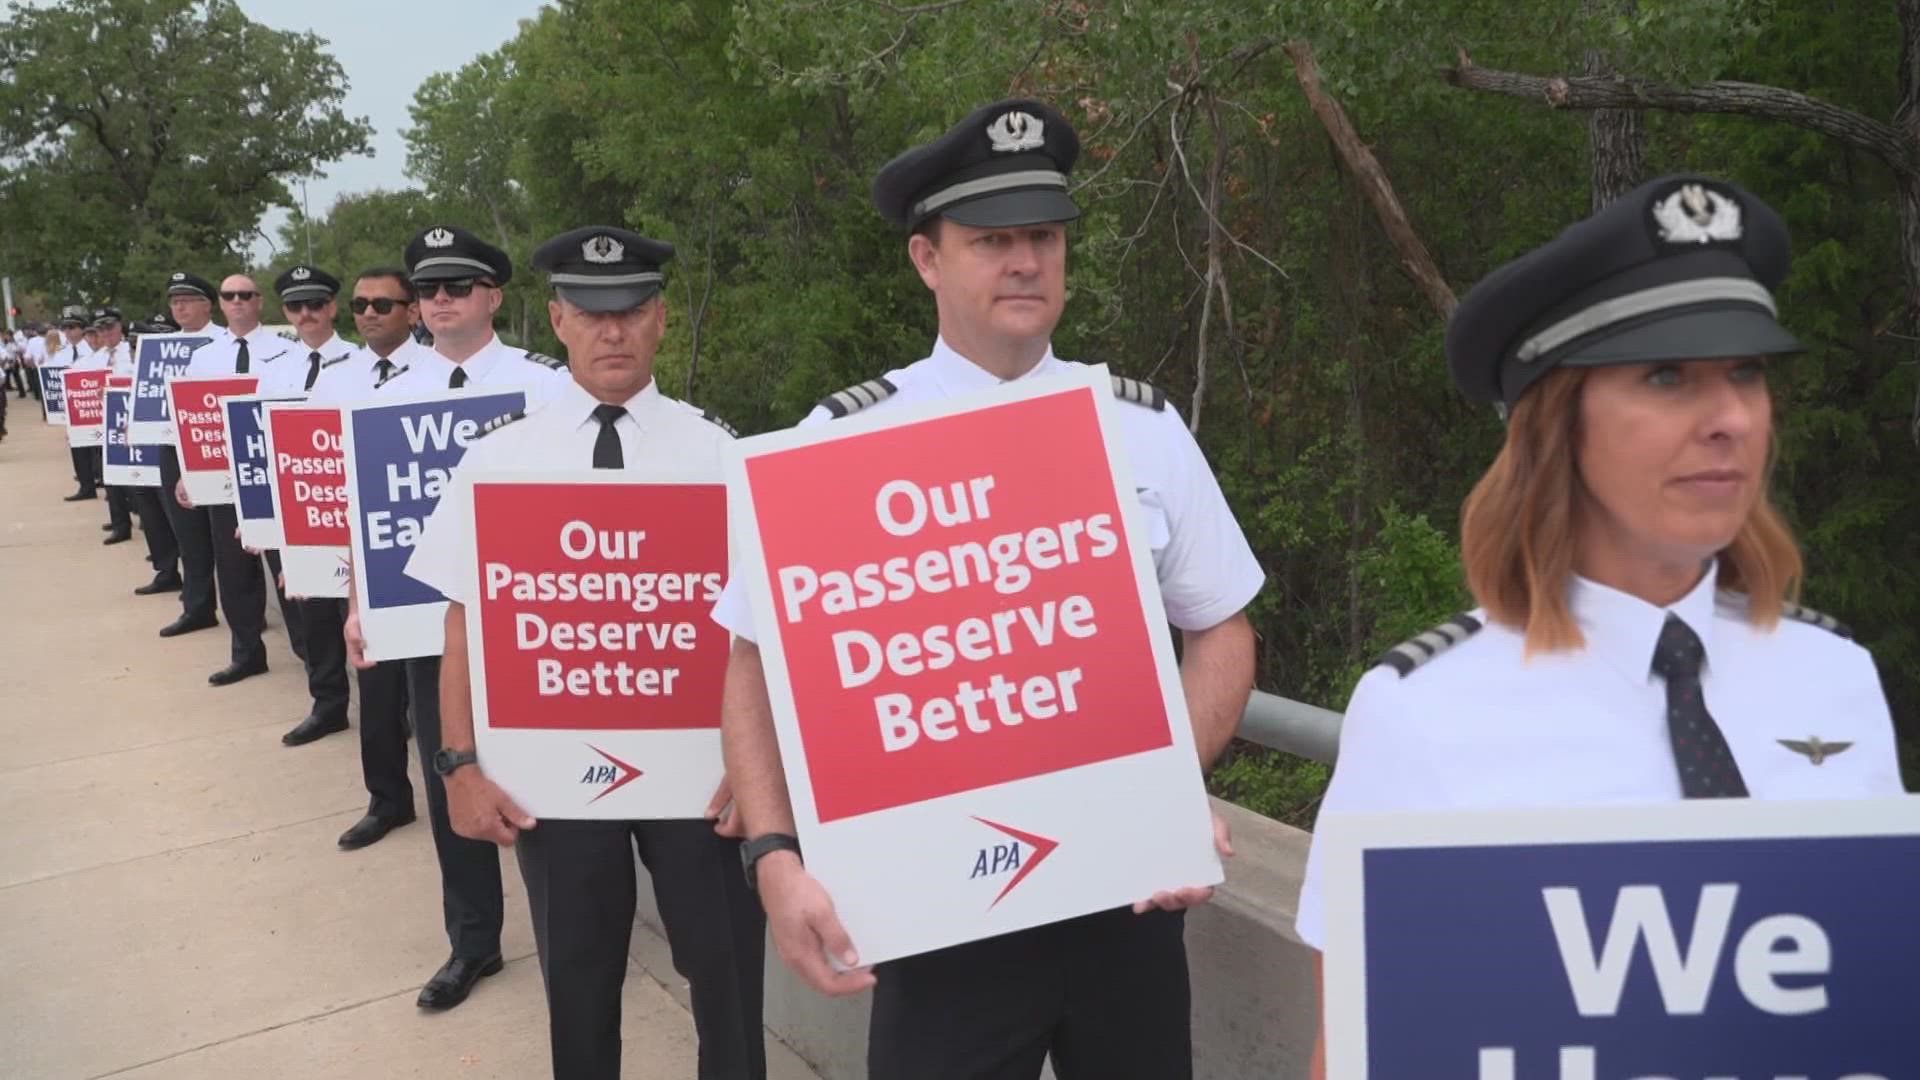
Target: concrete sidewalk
[{"x": 172, "y": 904}]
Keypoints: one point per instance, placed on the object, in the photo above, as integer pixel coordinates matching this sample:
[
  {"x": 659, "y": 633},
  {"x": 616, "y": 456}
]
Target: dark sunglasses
[
  {"x": 239, "y": 295},
  {"x": 305, "y": 305},
  {"x": 459, "y": 290},
  {"x": 382, "y": 305}
]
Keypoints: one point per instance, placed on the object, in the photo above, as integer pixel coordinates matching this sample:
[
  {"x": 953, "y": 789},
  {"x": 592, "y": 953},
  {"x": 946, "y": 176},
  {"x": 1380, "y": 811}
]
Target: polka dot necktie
[{"x": 1707, "y": 768}]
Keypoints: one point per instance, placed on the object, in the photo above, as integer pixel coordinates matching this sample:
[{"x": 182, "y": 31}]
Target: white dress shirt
[
  {"x": 657, "y": 432},
  {"x": 288, "y": 374},
  {"x": 354, "y": 378},
  {"x": 1482, "y": 726},
  {"x": 264, "y": 347},
  {"x": 1206, "y": 571},
  {"x": 497, "y": 366}
]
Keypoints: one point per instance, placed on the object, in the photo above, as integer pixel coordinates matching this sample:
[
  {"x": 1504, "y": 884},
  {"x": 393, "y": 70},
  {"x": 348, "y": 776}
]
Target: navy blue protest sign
[
  {"x": 157, "y": 357},
  {"x": 1731, "y": 940},
  {"x": 247, "y": 461},
  {"x": 53, "y": 394},
  {"x": 400, "y": 455},
  {"x": 126, "y": 463}
]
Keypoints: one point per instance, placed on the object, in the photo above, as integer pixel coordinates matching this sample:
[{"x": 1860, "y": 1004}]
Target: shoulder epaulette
[
  {"x": 499, "y": 422},
  {"x": 715, "y": 421},
  {"x": 329, "y": 363},
  {"x": 1815, "y": 618},
  {"x": 854, "y": 398},
  {"x": 546, "y": 361},
  {"x": 1140, "y": 393},
  {"x": 1410, "y": 654}
]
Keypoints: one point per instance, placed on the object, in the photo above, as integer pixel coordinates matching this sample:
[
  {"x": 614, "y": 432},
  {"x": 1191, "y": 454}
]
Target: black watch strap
[
  {"x": 445, "y": 760},
  {"x": 759, "y": 847}
]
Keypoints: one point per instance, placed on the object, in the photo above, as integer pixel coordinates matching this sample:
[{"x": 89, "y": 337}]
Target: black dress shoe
[
  {"x": 313, "y": 727},
  {"x": 78, "y": 496},
  {"x": 233, "y": 673},
  {"x": 160, "y": 583},
  {"x": 187, "y": 624},
  {"x": 117, "y": 538},
  {"x": 454, "y": 981},
  {"x": 108, "y": 527},
  {"x": 369, "y": 829}
]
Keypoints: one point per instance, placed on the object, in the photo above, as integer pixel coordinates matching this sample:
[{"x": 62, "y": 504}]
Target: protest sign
[
  {"x": 126, "y": 463},
  {"x": 976, "y": 697},
  {"x": 201, "y": 433},
  {"x": 596, "y": 667},
  {"x": 247, "y": 465},
  {"x": 308, "y": 481},
  {"x": 53, "y": 395},
  {"x": 85, "y": 394},
  {"x": 1694, "y": 941},
  {"x": 157, "y": 358},
  {"x": 400, "y": 453}
]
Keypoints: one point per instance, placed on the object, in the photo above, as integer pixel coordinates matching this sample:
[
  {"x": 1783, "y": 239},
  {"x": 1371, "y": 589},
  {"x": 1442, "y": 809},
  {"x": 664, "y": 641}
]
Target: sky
[{"x": 387, "y": 47}]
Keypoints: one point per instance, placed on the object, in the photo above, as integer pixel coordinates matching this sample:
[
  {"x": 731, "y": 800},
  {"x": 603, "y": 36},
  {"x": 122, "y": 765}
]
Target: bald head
[{"x": 243, "y": 309}]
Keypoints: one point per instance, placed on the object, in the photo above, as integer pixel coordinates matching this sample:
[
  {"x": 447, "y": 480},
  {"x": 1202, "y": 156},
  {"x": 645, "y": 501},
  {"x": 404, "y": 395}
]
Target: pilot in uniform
[
  {"x": 458, "y": 277},
  {"x": 1597, "y": 693},
  {"x": 190, "y": 300},
  {"x": 72, "y": 354},
  {"x": 111, "y": 353},
  {"x": 1105, "y": 995},
  {"x": 579, "y": 874},
  {"x": 241, "y": 580}
]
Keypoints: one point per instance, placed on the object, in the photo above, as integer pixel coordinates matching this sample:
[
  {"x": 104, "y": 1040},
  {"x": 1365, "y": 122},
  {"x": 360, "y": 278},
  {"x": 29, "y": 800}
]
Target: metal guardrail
[{"x": 1290, "y": 726}]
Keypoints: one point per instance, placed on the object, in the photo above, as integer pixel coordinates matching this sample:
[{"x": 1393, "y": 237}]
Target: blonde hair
[{"x": 1519, "y": 527}]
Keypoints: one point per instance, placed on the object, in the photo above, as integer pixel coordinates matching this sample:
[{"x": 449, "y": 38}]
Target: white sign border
[
  {"x": 127, "y": 475},
  {"x": 1348, "y": 837},
  {"x": 1175, "y": 818},
  {"x": 312, "y": 571},
  {"x": 256, "y": 533},
  {"x": 163, "y": 432},
  {"x": 56, "y": 417},
  {"x": 205, "y": 487},
  {"x": 383, "y": 627},
  {"x": 684, "y": 765},
  {"x": 84, "y": 436}
]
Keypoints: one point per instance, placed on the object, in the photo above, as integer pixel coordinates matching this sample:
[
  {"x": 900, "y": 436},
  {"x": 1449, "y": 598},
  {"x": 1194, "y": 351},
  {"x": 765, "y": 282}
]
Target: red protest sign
[
  {"x": 200, "y": 425},
  {"x": 593, "y": 603},
  {"x": 309, "y": 475},
  {"x": 959, "y": 607},
  {"x": 86, "y": 397}
]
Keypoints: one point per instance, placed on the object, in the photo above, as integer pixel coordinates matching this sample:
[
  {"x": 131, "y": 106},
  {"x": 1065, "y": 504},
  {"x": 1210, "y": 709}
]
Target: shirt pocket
[{"x": 1154, "y": 516}]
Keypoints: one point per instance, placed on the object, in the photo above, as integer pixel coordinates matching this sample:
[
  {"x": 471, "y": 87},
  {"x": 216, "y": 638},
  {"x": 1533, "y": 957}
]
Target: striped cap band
[
  {"x": 589, "y": 281},
  {"x": 475, "y": 265},
  {"x": 988, "y": 185},
  {"x": 1619, "y": 309}
]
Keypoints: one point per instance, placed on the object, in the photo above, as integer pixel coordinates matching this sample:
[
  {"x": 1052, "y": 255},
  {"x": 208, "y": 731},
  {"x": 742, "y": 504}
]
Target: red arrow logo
[
  {"x": 628, "y": 774},
  {"x": 1042, "y": 847}
]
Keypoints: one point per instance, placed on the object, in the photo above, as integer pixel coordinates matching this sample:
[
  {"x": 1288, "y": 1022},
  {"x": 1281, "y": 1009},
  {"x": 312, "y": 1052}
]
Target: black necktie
[
  {"x": 1707, "y": 768},
  {"x": 606, "y": 448},
  {"x": 240, "y": 359},
  {"x": 383, "y": 371},
  {"x": 458, "y": 379},
  {"x": 313, "y": 367}
]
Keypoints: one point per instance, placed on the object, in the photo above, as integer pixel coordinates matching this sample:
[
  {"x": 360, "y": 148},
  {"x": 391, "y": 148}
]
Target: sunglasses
[
  {"x": 382, "y": 305},
  {"x": 458, "y": 290},
  {"x": 305, "y": 305},
  {"x": 241, "y": 294}
]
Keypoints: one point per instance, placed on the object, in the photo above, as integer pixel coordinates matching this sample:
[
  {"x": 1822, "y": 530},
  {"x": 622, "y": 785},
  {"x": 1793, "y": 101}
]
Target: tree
[{"x": 144, "y": 134}]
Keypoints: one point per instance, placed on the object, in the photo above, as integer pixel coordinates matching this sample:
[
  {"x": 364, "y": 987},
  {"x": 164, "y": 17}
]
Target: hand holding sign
[{"x": 806, "y": 930}]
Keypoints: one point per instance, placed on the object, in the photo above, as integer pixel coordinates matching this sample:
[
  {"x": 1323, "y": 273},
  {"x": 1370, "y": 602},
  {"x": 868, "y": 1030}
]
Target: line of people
[{"x": 1628, "y": 357}]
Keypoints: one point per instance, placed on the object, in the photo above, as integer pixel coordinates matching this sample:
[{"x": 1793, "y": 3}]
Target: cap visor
[
  {"x": 187, "y": 290},
  {"x": 1697, "y": 334},
  {"x": 1035, "y": 206},
  {"x": 607, "y": 297},
  {"x": 309, "y": 292}
]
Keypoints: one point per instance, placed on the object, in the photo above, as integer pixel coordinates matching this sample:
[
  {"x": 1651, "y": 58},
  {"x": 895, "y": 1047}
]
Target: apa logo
[
  {"x": 616, "y": 775},
  {"x": 1020, "y": 857}
]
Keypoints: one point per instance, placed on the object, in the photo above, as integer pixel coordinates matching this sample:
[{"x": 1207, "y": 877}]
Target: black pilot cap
[
  {"x": 603, "y": 268},
  {"x": 1006, "y": 164}
]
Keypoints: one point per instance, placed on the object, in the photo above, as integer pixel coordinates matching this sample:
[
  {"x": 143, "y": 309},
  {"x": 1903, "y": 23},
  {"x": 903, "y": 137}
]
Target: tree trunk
[
  {"x": 1373, "y": 182},
  {"x": 1616, "y": 138}
]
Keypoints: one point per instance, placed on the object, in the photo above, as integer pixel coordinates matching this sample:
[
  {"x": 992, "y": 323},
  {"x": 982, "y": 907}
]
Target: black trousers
[
  {"x": 1105, "y": 994},
  {"x": 383, "y": 738},
  {"x": 291, "y": 615},
  {"x": 469, "y": 869},
  {"x": 193, "y": 536},
  {"x": 83, "y": 469},
  {"x": 243, "y": 587},
  {"x": 33, "y": 382},
  {"x": 326, "y": 658},
  {"x": 580, "y": 885},
  {"x": 163, "y": 551},
  {"x": 16, "y": 381},
  {"x": 119, "y": 507}
]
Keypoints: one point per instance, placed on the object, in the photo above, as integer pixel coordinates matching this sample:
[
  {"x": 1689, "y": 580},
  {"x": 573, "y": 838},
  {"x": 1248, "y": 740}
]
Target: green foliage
[
  {"x": 144, "y": 135},
  {"x": 1277, "y": 785}
]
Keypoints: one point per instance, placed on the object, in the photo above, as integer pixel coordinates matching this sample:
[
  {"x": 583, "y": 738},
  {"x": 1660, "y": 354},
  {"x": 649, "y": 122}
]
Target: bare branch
[{"x": 1180, "y": 155}]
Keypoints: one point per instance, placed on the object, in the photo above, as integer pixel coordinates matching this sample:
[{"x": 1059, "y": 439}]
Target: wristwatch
[
  {"x": 758, "y": 848},
  {"x": 445, "y": 760}
]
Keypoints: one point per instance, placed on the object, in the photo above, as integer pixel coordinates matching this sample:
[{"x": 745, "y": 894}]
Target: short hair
[
  {"x": 1519, "y": 527},
  {"x": 394, "y": 272}
]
